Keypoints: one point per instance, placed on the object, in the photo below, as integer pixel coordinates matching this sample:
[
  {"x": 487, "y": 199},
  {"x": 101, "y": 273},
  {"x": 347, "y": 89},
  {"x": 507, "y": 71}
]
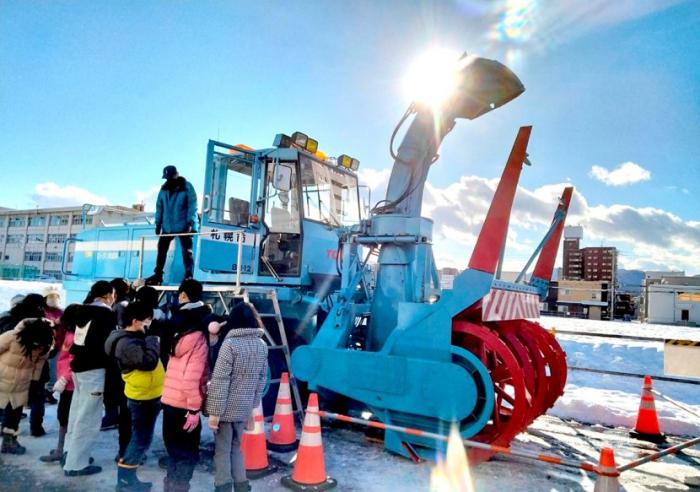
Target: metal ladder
[{"x": 271, "y": 295}]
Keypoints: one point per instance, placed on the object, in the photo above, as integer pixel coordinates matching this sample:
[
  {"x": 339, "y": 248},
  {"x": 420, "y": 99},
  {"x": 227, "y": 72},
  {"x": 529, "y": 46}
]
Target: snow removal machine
[{"x": 353, "y": 301}]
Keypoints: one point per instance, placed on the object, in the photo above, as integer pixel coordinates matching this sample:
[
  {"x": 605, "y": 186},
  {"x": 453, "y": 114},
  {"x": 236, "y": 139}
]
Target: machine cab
[{"x": 281, "y": 205}]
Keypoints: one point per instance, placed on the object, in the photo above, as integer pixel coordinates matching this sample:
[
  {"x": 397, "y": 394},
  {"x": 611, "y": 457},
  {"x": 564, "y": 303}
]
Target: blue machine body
[
  {"x": 378, "y": 333},
  {"x": 288, "y": 239}
]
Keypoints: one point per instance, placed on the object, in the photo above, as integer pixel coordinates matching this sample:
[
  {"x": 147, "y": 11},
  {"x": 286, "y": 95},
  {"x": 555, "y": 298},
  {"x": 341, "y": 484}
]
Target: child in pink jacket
[
  {"x": 185, "y": 386},
  {"x": 64, "y": 378}
]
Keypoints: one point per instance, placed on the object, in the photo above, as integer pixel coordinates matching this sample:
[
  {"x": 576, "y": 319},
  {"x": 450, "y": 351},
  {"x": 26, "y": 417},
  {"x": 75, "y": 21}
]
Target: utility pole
[{"x": 612, "y": 286}]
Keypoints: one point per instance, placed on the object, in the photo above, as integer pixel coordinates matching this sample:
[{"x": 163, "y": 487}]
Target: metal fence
[{"x": 18, "y": 272}]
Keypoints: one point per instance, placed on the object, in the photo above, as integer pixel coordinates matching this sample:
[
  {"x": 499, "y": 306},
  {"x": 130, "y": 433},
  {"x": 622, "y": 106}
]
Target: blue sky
[{"x": 95, "y": 97}]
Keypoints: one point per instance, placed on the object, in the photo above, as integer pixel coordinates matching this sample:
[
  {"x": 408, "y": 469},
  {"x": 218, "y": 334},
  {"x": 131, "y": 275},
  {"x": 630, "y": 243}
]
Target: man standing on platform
[{"x": 176, "y": 213}]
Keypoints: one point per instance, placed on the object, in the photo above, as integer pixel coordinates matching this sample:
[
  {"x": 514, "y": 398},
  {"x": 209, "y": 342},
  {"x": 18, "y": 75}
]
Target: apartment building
[
  {"x": 591, "y": 264},
  {"x": 35, "y": 238}
]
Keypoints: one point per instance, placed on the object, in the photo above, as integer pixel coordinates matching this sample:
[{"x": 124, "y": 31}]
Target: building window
[
  {"x": 15, "y": 239},
  {"x": 688, "y": 297},
  {"x": 56, "y": 238},
  {"x": 59, "y": 220},
  {"x": 37, "y": 221},
  {"x": 35, "y": 238},
  {"x": 54, "y": 257},
  {"x": 53, "y": 273},
  {"x": 17, "y": 222},
  {"x": 71, "y": 255},
  {"x": 2, "y": 221},
  {"x": 78, "y": 220},
  {"x": 32, "y": 256}
]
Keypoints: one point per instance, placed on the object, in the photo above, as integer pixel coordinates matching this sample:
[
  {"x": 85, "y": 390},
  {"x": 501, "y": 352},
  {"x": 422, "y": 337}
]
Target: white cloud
[
  {"x": 646, "y": 237},
  {"x": 50, "y": 194},
  {"x": 625, "y": 174},
  {"x": 148, "y": 198}
]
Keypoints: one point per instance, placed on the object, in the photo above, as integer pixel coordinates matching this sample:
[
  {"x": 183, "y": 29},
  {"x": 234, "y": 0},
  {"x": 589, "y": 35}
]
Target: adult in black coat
[
  {"x": 190, "y": 314},
  {"x": 32, "y": 306},
  {"x": 97, "y": 321}
]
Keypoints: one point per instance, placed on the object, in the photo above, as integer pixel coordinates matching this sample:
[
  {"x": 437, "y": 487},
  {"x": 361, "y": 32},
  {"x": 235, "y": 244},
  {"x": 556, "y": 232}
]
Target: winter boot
[
  {"x": 173, "y": 485},
  {"x": 88, "y": 470},
  {"x": 50, "y": 400},
  {"x": 37, "y": 431},
  {"x": 110, "y": 421},
  {"x": 227, "y": 487},
  {"x": 10, "y": 444},
  {"x": 241, "y": 486},
  {"x": 53, "y": 456},
  {"x": 155, "y": 279},
  {"x": 127, "y": 481},
  {"x": 65, "y": 455}
]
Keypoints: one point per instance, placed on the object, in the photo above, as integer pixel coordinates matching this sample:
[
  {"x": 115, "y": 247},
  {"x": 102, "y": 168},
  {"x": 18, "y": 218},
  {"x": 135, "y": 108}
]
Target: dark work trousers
[
  {"x": 124, "y": 425},
  {"x": 64, "y": 407},
  {"x": 182, "y": 446},
  {"x": 143, "y": 421},
  {"x": 11, "y": 417},
  {"x": 185, "y": 246},
  {"x": 37, "y": 398},
  {"x": 114, "y": 393}
]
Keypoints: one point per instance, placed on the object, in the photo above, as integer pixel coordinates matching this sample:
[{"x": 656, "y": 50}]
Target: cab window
[
  {"x": 281, "y": 247},
  {"x": 281, "y": 207},
  {"x": 232, "y": 175},
  {"x": 329, "y": 195}
]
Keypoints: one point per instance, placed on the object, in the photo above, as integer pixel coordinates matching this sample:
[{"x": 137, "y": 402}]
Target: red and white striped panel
[{"x": 501, "y": 305}]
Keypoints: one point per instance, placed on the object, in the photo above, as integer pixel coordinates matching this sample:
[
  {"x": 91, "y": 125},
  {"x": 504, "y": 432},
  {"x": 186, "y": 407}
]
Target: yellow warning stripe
[{"x": 687, "y": 343}]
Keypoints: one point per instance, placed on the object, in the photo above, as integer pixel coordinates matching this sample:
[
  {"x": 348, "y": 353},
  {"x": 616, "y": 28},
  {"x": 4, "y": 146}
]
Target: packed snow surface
[
  {"x": 10, "y": 288},
  {"x": 596, "y": 410},
  {"x": 614, "y": 400}
]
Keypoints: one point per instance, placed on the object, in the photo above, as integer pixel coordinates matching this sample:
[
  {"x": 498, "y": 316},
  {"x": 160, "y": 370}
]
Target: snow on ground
[
  {"x": 10, "y": 288},
  {"x": 614, "y": 400},
  {"x": 596, "y": 410},
  {"x": 363, "y": 466}
]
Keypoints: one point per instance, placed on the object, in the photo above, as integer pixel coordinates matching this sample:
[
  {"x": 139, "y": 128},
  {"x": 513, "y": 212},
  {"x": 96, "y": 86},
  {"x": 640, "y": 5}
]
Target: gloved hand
[
  {"x": 158, "y": 230},
  {"x": 191, "y": 421},
  {"x": 60, "y": 385},
  {"x": 213, "y": 423}
]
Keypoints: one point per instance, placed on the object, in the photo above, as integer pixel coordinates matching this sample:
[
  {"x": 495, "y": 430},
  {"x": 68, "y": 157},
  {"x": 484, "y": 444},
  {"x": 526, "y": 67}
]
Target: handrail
[
  {"x": 65, "y": 254},
  {"x": 239, "y": 243}
]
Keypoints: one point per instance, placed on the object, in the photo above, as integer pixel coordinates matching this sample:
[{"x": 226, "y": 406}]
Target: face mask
[{"x": 52, "y": 302}]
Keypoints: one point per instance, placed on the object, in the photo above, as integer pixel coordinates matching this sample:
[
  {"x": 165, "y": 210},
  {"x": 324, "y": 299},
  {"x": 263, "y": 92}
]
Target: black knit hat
[
  {"x": 100, "y": 288},
  {"x": 138, "y": 311},
  {"x": 192, "y": 288},
  {"x": 148, "y": 295}
]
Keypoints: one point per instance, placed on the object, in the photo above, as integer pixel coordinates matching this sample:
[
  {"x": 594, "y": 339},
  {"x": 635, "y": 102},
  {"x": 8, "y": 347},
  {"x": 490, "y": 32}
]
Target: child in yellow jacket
[{"x": 138, "y": 358}]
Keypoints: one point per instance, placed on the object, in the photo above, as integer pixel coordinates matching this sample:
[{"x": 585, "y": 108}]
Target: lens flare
[
  {"x": 433, "y": 77},
  {"x": 452, "y": 473}
]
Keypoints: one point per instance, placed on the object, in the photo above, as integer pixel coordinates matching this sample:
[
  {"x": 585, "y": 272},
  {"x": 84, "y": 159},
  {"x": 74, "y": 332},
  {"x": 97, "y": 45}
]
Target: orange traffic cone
[
  {"x": 310, "y": 468},
  {"x": 283, "y": 436},
  {"x": 254, "y": 447},
  {"x": 647, "y": 427},
  {"x": 608, "y": 476}
]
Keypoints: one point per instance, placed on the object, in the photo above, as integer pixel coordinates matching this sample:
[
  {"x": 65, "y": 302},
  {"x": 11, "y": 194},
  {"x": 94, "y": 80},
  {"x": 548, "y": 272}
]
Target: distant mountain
[{"x": 630, "y": 281}]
